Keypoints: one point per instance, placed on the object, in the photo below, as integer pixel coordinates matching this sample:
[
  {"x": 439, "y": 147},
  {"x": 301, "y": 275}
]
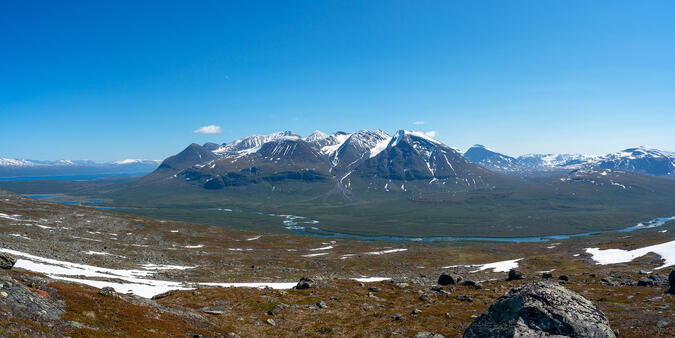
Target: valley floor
[{"x": 362, "y": 288}]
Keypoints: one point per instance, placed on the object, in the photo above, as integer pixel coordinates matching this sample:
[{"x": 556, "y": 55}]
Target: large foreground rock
[{"x": 543, "y": 309}]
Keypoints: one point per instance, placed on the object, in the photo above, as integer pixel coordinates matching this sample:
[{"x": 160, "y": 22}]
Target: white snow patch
[
  {"x": 613, "y": 256},
  {"x": 254, "y": 238},
  {"x": 322, "y": 248},
  {"x": 12, "y": 217},
  {"x": 194, "y": 246},
  {"x": 502, "y": 266},
  {"x": 370, "y": 279},
  {"x": 97, "y": 253},
  {"x": 384, "y": 252},
  {"x": 315, "y": 254},
  {"x": 20, "y": 236}
]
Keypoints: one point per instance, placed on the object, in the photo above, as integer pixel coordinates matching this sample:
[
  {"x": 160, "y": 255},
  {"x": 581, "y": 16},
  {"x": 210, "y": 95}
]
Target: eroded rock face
[{"x": 543, "y": 309}]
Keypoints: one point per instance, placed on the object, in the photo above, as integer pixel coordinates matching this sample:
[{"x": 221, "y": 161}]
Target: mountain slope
[{"x": 490, "y": 159}]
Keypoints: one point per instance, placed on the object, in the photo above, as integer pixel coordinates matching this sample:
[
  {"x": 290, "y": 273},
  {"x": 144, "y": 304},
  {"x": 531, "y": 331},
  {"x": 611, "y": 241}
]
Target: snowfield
[{"x": 614, "y": 256}]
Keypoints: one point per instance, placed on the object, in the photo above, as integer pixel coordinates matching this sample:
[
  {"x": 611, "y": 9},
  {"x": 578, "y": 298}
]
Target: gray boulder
[
  {"x": 515, "y": 274},
  {"x": 540, "y": 310},
  {"x": 304, "y": 283},
  {"x": 449, "y": 279},
  {"x": 7, "y": 261}
]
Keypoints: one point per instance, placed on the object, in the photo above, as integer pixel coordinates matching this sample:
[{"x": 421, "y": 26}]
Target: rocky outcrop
[
  {"x": 26, "y": 303},
  {"x": 671, "y": 281},
  {"x": 539, "y": 310},
  {"x": 6, "y": 261}
]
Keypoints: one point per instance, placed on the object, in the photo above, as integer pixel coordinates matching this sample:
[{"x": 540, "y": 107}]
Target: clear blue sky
[{"x": 120, "y": 79}]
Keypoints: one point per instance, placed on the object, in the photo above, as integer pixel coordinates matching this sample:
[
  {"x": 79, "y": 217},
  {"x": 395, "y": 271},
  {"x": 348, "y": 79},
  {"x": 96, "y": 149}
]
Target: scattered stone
[
  {"x": 671, "y": 281},
  {"x": 449, "y": 279},
  {"x": 437, "y": 288},
  {"x": 564, "y": 278},
  {"x": 538, "y": 310},
  {"x": 169, "y": 293},
  {"x": 214, "y": 310},
  {"x": 416, "y": 311},
  {"x": 271, "y": 321},
  {"x": 662, "y": 323},
  {"x": 233, "y": 335},
  {"x": 322, "y": 305},
  {"x": 515, "y": 274},
  {"x": 475, "y": 284},
  {"x": 659, "y": 280},
  {"x": 464, "y": 298},
  {"x": 643, "y": 272},
  {"x": 7, "y": 261},
  {"x": 644, "y": 281},
  {"x": 108, "y": 292},
  {"x": 276, "y": 309},
  {"x": 304, "y": 283},
  {"x": 375, "y": 289},
  {"x": 425, "y": 298},
  {"x": 448, "y": 316},
  {"x": 401, "y": 285},
  {"x": 428, "y": 335},
  {"x": 609, "y": 281},
  {"x": 546, "y": 275}
]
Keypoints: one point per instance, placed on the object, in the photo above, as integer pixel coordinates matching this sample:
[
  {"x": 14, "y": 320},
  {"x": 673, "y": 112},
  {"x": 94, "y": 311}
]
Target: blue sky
[{"x": 106, "y": 81}]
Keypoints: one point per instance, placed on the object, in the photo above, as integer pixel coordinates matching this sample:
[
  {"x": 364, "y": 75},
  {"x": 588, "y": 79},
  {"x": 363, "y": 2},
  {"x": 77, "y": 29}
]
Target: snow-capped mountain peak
[
  {"x": 316, "y": 136},
  {"x": 11, "y": 162},
  {"x": 251, "y": 144}
]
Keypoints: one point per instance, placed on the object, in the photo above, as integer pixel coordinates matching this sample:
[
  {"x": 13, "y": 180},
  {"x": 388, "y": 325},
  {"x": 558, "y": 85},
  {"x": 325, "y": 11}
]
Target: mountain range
[
  {"x": 29, "y": 168},
  {"x": 641, "y": 160},
  {"x": 376, "y": 161}
]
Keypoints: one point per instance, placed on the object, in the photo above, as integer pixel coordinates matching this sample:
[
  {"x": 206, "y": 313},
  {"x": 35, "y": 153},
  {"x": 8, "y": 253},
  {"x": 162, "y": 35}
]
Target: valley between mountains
[{"x": 348, "y": 234}]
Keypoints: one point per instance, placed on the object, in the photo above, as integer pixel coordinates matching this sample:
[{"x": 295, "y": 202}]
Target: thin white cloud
[
  {"x": 210, "y": 129},
  {"x": 431, "y": 133},
  {"x": 418, "y": 123}
]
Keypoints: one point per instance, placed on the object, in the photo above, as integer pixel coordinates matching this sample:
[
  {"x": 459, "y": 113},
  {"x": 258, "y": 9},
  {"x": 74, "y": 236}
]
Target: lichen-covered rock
[
  {"x": 23, "y": 302},
  {"x": 7, "y": 261},
  {"x": 543, "y": 309},
  {"x": 108, "y": 292}
]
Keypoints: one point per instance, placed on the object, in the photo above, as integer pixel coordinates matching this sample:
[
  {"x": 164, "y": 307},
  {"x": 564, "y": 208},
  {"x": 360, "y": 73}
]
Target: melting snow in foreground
[
  {"x": 503, "y": 266},
  {"x": 132, "y": 281},
  {"x": 613, "y": 256}
]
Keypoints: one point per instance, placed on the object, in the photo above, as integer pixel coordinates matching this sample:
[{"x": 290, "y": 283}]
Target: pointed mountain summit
[
  {"x": 412, "y": 156},
  {"x": 359, "y": 147}
]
